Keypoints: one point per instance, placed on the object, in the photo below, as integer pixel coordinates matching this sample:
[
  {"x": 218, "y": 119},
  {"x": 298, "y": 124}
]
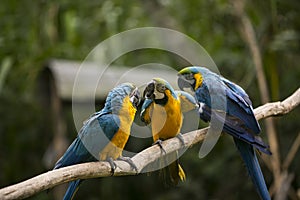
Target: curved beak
[
  {"x": 183, "y": 83},
  {"x": 149, "y": 90},
  {"x": 135, "y": 97}
]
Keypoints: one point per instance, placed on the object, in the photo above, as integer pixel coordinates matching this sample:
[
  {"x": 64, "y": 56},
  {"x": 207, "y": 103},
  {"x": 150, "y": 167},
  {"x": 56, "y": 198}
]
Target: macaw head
[
  {"x": 117, "y": 95},
  {"x": 156, "y": 90},
  {"x": 133, "y": 93},
  {"x": 191, "y": 77}
]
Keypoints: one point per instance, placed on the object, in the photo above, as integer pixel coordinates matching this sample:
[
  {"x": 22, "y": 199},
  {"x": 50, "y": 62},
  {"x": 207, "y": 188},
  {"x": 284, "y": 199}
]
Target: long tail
[
  {"x": 252, "y": 164},
  {"x": 72, "y": 189},
  {"x": 172, "y": 173}
]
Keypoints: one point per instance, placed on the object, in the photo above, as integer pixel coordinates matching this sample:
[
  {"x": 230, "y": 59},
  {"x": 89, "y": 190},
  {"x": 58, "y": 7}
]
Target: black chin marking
[{"x": 162, "y": 101}]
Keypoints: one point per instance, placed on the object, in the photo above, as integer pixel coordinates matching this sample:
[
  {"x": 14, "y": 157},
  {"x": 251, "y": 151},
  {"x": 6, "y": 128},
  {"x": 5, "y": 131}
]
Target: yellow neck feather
[{"x": 199, "y": 80}]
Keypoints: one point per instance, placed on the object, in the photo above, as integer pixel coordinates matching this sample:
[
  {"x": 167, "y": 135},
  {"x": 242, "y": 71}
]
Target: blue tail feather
[
  {"x": 72, "y": 189},
  {"x": 248, "y": 154}
]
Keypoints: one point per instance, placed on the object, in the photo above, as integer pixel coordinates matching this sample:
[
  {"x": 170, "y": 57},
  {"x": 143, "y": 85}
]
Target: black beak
[
  {"x": 183, "y": 83},
  {"x": 135, "y": 97},
  {"x": 149, "y": 91}
]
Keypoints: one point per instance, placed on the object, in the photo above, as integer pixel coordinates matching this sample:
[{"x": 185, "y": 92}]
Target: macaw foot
[
  {"x": 130, "y": 162},
  {"x": 113, "y": 165},
  {"x": 159, "y": 143},
  {"x": 180, "y": 137}
]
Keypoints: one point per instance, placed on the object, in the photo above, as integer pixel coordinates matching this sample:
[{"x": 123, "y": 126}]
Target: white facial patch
[
  {"x": 132, "y": 99},
  {"x": 201, "y": 107},
  {"x": 158, "y": 95},
  {"x": 192, "y": 81}
]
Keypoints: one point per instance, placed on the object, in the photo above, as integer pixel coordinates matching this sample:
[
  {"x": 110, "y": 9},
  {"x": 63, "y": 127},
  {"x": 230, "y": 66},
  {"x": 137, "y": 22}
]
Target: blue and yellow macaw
[
  {"x": 104, "y": 135},
  {"x": 163, "y": 108},
  {"x": 240, "y": 121}
]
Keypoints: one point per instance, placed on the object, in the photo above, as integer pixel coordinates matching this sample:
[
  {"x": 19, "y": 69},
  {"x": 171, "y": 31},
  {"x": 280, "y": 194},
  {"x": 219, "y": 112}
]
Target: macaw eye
[
  {"x": 160, "y": 88},
  {"x": 189, "y": 76}
]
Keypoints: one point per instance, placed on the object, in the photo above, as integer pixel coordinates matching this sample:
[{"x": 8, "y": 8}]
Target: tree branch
[
  {"x": 102, "y": 169},
  {"x": 292, "y": 153},
  {"x": 278, "y": 108}
]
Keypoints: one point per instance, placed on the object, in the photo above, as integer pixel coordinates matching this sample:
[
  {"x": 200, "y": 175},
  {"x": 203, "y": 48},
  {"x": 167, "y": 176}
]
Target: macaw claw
[
  {"x": 113, "y": 165},
  {"x": 159, "y": 143},
  {"x": 181, "y": 139},
  {"x": 130, "y": 162}
]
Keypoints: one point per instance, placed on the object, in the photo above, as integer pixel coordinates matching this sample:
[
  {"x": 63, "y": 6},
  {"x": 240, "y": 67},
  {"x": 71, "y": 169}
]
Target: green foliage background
[{"x": 31, "y": 32}]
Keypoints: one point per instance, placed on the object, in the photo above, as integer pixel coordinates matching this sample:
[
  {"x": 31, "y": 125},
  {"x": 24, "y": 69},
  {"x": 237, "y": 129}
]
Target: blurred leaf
[
  {"x": 5, "y": 67},
  {"x": 287, "y": 40}
]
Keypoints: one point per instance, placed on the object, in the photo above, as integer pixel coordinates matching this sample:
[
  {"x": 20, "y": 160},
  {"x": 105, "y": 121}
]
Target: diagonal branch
[
  {"x": 102, "y": 169},
  {"x": 292, "y": 153},
  {"x": 278, "y": 108}
]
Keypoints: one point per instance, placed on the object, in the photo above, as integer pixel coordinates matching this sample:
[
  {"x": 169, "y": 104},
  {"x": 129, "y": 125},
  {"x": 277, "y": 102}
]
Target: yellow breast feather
[
  {"x": 167, "y": 119},
  {"x": 115, "y": 147}
]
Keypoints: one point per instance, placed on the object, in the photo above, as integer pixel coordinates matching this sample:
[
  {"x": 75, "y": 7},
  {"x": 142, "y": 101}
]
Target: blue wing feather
[
  {"x": 76, "y": 153},
  {"x": 72, "y": 189},
  {"x": 239, "y": 97},
  {"x": 243, "y": 96},
  {"x": 95, "y": 134},
  {"x": 239, "y": 110},
  {"x": 230, "y": 126},
  {"x": 240, "y": 121}
]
